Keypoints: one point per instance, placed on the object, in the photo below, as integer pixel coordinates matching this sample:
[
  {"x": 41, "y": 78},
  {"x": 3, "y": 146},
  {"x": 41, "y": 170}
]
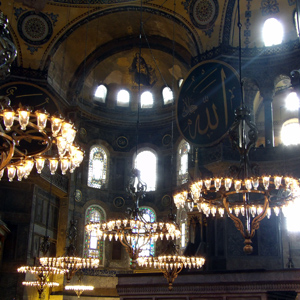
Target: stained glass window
[
  {"x": 149, "y": 216},
  {"x": 182, "y": 162},
  {"x": 146, "y": 162},
  {"x": 97, "y": 167},
  {"x": 92, "y": 246}
]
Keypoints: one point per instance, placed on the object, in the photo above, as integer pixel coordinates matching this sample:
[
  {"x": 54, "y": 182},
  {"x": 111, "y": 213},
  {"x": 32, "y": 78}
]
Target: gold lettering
[{"x": 223, "y": 77}]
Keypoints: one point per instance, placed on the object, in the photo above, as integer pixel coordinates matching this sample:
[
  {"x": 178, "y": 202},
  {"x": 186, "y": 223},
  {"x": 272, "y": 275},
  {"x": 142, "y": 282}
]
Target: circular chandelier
[
  {"x": 171, "y": 265},
  {"x": 70, "y": 264},
  {"x": 246, "y": 197},
  {"x": 79, "y": 288},
  {"x": 30, "y": 138},
  {"x": 134, "y": 232},
  {"x": 42, "y": 274}
]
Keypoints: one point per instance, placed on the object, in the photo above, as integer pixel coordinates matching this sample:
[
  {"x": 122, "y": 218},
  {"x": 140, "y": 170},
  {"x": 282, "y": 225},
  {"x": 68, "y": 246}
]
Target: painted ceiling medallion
[
  {"x": 204, "y": 13},
  {"x": 35, "y": 29}
]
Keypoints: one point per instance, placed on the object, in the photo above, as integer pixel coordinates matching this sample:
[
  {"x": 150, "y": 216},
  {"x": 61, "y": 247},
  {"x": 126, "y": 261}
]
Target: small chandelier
[
  {"x": 171, "y": 264},
  {"x": 134, "y": 232},
  {"x": 8, "y": 50},
  {"x": 246, "y": 197},
  {"x": 42, "y": 274},
  {"x": 79, "y": 289},
  {"x": 70, "y": 263},
  {"x": 28, "y": 141}
]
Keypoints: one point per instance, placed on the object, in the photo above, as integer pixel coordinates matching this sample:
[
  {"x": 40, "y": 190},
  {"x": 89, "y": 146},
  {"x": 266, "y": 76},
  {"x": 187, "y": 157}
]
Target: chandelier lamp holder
[
  {"x": 42, "y": 275},
  {"x": 31, "y": 138},
  {"x": 70, "y": 264},
  {"x": 79, "y": 288},
  {"x": 246, "y": 197},
  {"x": 171, "y": 265}
]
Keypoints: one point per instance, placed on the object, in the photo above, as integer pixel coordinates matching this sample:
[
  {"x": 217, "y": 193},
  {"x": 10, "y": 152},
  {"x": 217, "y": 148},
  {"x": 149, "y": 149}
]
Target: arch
[
  {"x": 123, "y": 98},
  {"x": 92, "y": 247},
  {"x": 100, "y": 93},
  {"x": 168, "y": 95}
]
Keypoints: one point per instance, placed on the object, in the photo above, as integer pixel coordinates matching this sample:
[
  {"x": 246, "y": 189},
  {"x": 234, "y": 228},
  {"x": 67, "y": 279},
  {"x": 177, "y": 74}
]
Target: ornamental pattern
[{"x": 269, "y": 7}]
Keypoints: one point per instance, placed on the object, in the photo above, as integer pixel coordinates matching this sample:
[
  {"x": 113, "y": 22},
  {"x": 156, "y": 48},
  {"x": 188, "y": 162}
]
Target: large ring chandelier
[
  {"x": 244, "y": 196},
  {"x": 42, "y": 275},
  {"x": 31, "y": 138},
  {"x": 70, "y": 264},
  {"x": 171, "y": 265},
  {"x": 134, "y": 232}
]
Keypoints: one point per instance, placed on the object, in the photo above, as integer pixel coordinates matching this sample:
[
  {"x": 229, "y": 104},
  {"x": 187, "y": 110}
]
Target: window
[
  {"x": 167, "y": 95},
  {"x": 290, "y": 132},
  {"x": 146, "y": 100},
  {"x": 292, "y": 101},
  {"x": 123, "y": 98},
  {"x": 180, "y": 81},
  {"x": 297, "y": 25},
  {"x": 148, "y": 215},
  {"x": 183, "y": 227},
  {"x": 97, "y": 167},
  {"x": 146, "y": 162},
  {"x": 100, "y": 94},
  {"x": 92, "y": 246},
  {"x": 182, "y": 162},
  {"x": 292, "y": 216},
  {"x": 272, "y": 32}
]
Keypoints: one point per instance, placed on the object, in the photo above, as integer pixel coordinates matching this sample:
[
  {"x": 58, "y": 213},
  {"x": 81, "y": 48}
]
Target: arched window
[
  {"x": 272, "y": 32},
  {"x": 100, "y": 94},
  {"x": 292, "y": 217},
  {"x": 167, "y": 95},
  {"x": 97, "y": 167},
  {"x": 182, "y": 162},
  {"x": 148, "y": 215},
  {"x": 92, "y": 246},
  {"x": 292, "y": 101},
  {"x": 146, "y": 162},
  {"x": 180, "y": 81},
  {"x": 123, "y": 98},
  {"x": 290, "y": 132},
  {"x": 146, "y": 100}
]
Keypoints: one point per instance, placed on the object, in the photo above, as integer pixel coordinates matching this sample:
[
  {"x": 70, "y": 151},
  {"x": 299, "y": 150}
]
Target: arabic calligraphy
[{"x": 205, "y": 107}]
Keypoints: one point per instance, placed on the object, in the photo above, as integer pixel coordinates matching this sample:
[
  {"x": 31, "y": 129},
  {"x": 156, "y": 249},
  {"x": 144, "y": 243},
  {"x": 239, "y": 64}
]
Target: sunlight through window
[
  {"x": 292, "y": 217},
  {"x": 146, "y": 100},
  {"x": 146, "y": 162},
  {"x": 272, "y": 32},
  {"x": 292, "y": 101},
  {"x": 123, "y": 98},
  {"x": 290, "y": 132},
  {"x": 101, "y": 93},
  {"x": 167, "y": 95}
]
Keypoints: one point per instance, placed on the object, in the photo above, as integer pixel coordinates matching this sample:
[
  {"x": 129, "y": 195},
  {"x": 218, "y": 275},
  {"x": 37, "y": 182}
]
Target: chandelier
[
  {"x": 42, "y": 274},
  {"x": 79, "y": 289},
  {"x": 70, "y": 263},
  {"x": 134, "y": 232},
  {"x": 8, "y": 50},
  {"x": 242, "y": 194},
  {"x": 171, "y": 264},
  {"x": 31, "y": 138}
]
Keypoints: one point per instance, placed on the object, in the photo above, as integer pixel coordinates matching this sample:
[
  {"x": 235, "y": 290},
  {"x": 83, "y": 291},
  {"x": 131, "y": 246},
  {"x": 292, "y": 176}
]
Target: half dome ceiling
[{"x": 80, "y": 44}]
